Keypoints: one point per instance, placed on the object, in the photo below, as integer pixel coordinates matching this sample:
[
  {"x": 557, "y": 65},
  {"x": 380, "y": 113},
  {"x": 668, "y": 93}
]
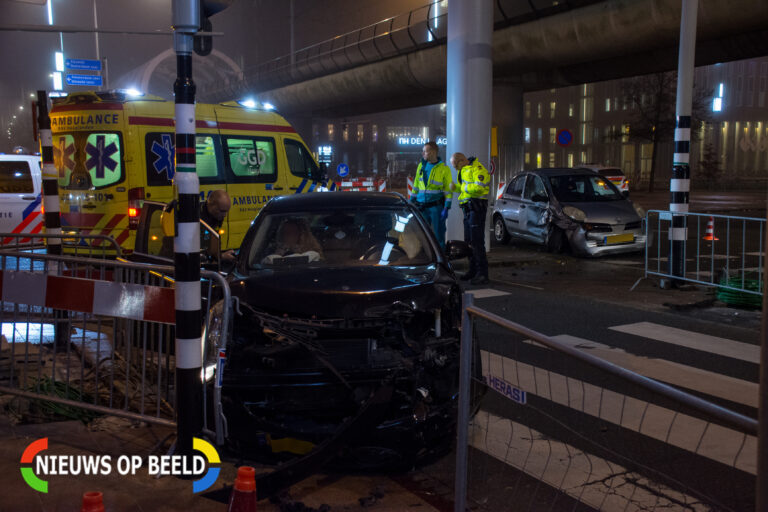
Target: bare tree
[{"x": 652, "y": 118}]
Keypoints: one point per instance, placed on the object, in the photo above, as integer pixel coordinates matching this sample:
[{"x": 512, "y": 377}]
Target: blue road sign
[
  {"x": 94, "y": 80},
  {"x": 564, "y": 138},
  {"x": 85, "y": 64},
  {"x": 343, "y": 170}
]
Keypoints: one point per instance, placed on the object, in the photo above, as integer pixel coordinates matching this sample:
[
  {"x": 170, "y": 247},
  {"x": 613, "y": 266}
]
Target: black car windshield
[
  {"x": 390, "y": 237},
  {"x": 583, "y": 188}
]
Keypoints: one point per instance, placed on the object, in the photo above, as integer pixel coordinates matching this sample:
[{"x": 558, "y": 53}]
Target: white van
[{"x": 20, "y": 196}]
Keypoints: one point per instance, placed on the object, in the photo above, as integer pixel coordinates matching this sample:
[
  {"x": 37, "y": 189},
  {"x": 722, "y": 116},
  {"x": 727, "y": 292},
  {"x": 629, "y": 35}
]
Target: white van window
[
  {"x": 299, "y": 160},
  {"x": 64, "y": 156},
  {"x": 251, "y": 158},
  {"x": 15, "y": 177},
  {"x": 103, "y": 159}
]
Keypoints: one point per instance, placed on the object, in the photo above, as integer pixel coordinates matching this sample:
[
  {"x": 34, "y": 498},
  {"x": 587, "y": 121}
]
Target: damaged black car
[{"x": 346, "y": 329}]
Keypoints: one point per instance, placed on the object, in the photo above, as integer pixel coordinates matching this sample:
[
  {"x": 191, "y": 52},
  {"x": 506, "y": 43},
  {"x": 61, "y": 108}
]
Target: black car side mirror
[{"x": 457, "y": 249}]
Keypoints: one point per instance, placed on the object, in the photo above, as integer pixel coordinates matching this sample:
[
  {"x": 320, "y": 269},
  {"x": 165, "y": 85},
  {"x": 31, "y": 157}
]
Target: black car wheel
[{"x": 500, "y": 233}]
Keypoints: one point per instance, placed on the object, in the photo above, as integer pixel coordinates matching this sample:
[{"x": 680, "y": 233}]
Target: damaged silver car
[
  {"x": 347, "y": 327},
  {"x": 568, "y": 209}
]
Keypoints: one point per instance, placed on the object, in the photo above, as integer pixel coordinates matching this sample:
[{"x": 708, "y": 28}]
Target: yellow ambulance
[{"x": 114, "y": 150}]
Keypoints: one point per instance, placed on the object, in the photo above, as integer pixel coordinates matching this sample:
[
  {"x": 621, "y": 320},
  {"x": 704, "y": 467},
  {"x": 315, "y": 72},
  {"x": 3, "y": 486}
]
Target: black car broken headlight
[{"x": 212, "y": 340}]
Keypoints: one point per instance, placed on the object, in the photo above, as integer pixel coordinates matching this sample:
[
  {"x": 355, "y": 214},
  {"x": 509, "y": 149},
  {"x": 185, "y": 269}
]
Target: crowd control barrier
[
  {"x": 720, "y": 250},
  {"x": 83, "y": 337}
]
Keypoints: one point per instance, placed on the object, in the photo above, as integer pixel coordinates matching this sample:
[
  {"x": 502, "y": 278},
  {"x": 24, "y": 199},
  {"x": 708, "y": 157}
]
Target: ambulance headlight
[
  {"x": 133, "y": 92},
  {"x": 268, "y": 106}
]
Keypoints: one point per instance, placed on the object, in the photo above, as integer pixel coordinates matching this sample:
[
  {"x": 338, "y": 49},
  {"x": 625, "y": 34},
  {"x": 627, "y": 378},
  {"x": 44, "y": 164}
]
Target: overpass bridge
[{"x": 400, "y": 62}]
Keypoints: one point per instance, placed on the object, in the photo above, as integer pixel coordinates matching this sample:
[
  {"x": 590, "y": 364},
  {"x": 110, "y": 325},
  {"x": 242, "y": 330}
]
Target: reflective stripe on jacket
[
  {"x": 439, "y": 184},
  {"x": 475, "y": 182}
]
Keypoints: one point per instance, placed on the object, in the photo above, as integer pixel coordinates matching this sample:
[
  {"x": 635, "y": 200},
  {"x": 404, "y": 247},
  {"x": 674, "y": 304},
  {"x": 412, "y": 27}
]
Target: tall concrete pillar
[
  {"x": 508, "y": 120},
  {"x": 469, "y": 88}
]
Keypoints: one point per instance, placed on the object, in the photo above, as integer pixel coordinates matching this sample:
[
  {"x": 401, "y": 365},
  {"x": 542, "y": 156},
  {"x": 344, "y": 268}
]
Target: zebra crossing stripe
[
  {"x": 694, "y": 340},
  {"x": 680, "y": 375},
  {"x": 695, "y": 435}
]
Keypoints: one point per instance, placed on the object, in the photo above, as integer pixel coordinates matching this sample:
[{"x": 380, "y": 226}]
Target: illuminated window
[
  {"x": 528, "y": 158},
  {"x": 538, "y": 110},
  {"x": 374, "y": 133},
  {"x": 345, "y": 133},
  {"x": 552, "y": 108},
  {"x": 570, "y": 159},
  {"x": 538, "y": 159},
  {"x": 527, "y": 135},
  {"x": 552, "y": 135},
  {"x": 330, "y": 132},
  {"x": 360, "y": 133},
  {"x": 625, "y": 133},
  {"x": 551, "y": 159},
  {"x": 607, "y": 104},
  {"x": 717, "y": 101},
  {"x": 570, "y": 110},
  {"x": 527, "y": 109}
]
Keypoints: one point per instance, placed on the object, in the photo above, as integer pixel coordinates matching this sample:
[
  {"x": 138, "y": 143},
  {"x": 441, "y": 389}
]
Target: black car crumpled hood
[{"x": 348, "y": 292}]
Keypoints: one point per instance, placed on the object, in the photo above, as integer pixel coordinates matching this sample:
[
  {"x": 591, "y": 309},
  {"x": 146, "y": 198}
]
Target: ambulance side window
[
  {"x": 299, "y": 160},
  {"x": 251, "y": 159},
  {"x": 208, "y": 159},
  {"x": 160, "y": 154}
]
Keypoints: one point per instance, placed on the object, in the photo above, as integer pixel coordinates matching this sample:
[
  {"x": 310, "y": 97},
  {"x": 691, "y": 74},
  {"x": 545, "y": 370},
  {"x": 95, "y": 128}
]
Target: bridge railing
[{"x": 414, "y": 30}]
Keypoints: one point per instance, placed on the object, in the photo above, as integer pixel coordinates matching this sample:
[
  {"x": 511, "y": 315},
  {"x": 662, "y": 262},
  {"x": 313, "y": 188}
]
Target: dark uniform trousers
[{"x": 474, "y": 234}]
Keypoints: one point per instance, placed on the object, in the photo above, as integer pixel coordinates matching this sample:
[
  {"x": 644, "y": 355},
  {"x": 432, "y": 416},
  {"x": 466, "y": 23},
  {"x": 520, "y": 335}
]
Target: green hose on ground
[{"x": 740, "y": 299}]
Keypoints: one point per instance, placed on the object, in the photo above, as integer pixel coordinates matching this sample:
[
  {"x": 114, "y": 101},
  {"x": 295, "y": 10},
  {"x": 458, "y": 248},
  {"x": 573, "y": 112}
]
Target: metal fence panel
[
  {"x": 720, "y": 250},
  {"x": 84, "y": 336}
]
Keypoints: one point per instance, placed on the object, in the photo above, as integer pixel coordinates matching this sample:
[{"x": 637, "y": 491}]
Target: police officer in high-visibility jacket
[
  {"x": 475, "y": 184},
  {"x": 432, "y": 190}
]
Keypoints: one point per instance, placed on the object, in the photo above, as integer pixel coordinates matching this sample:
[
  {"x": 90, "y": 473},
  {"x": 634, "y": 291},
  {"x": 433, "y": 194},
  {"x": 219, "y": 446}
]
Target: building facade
[
  {"x": 589, "y": 123},
  {"x": 733, "y": 134}
]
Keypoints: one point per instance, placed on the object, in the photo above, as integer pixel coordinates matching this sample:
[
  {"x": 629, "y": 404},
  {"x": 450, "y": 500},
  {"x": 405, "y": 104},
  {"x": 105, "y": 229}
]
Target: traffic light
[{"x": 204, "y": 44}]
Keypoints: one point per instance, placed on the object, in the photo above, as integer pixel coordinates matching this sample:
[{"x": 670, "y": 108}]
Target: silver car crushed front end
[{"x": 607, "y": 239}]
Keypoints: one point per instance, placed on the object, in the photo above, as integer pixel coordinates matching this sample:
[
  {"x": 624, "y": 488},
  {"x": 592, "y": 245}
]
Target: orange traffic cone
[
  {"x": 92, "y": 502},
  {"x": 243, "y": 497},
  {"x": 710, "y": 234}
]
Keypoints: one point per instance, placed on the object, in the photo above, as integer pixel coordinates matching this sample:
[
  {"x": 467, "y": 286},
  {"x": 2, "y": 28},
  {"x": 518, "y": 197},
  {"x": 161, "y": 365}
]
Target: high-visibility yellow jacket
[
  {"x": 438, "y": 184},
  {"x": 475, "y": 181}
]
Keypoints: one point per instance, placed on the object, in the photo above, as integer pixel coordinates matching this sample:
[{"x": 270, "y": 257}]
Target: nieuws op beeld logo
[{"x": 36, "y": 465}]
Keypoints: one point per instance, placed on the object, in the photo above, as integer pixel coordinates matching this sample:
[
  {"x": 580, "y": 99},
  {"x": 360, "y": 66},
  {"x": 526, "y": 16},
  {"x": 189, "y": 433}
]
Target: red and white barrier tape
[{"x": 122, "y": 300}]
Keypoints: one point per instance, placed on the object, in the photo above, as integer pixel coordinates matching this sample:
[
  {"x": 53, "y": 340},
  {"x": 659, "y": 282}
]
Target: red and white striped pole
[
  {"x": 50, "y": 176},
  {"x": 189, "y": 361}
]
